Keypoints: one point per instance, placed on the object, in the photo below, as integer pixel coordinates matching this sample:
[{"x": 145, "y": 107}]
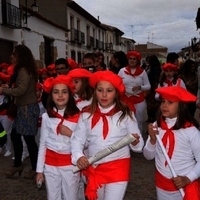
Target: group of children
[{"x": 85, "y": 113}]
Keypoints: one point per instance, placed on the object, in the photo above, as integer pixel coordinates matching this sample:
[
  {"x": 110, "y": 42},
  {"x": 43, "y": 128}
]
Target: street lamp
[{"x": 34, "y": 8}]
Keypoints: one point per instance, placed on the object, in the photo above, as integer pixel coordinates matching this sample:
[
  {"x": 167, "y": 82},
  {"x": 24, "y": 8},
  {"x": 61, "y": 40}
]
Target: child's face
[
  {"x": 87, "y": 62},
  {"x": 105, "y": 94},
  {"x": 169, "y": 73},
  {"x": 132, "y": 61},
  {"x": 78, "y": 84},
  {"x": 169, "y": 109},
  {"x": 38, "y": 93},
  {"x": 60, "y": 95}
]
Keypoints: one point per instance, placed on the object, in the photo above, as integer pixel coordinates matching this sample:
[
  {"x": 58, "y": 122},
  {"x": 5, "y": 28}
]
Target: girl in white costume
[
  {"x": 82, "y": 91},
  {"x": 180, "y": 136},
  {"x": 101, "y": 124},
  {"x": 54, "y": 157},
  {"x": 169, "y": 77},
  {"x": 136, "y": 84}
]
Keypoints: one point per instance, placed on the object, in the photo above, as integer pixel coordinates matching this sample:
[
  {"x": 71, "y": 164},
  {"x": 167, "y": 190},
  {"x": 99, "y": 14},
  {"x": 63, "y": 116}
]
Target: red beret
[
  {"x": 176, "y": 94},
  {"x": 39, "y": 86},
  {"x": 135, "y": 54},
  {"x": 109, "y": 76},
  {"x": 4, "y": 77},
  {"x": 60, "y": 79},
  {"x": 42, "y": 71},
  {"x": 10, "y": 70},
  {"x": 4, "y": 65},
  {"x": 170, "y": 66},
  {"x": 79, "y": 73},
  {"x": 51, "y": 67},
  {"x": 72, "y": 63}
]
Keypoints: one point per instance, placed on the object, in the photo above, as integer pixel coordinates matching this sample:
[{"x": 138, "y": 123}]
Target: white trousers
[
  {"x": 61, "y": 183},
  {"x": 112, "y": 191},
  {"x": 166, "y": 195},
  {"x": 140, "y": 114},
  {"x": 7, "y": 125}
]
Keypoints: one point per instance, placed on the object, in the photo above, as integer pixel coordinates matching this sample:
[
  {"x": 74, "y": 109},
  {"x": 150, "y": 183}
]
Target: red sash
[
  {"x": 137, "y": 99},
  {"x": 192, "y": 190},
  {"x": 56, "y": 159},
  {"x": 110, "y": 172}
]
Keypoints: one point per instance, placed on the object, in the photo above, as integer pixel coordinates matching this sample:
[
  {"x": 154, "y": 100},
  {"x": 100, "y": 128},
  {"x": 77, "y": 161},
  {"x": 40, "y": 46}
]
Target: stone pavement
[{"x": 141, "y": 185}]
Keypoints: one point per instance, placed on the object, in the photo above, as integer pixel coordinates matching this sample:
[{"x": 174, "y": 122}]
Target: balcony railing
[
  {"x": 90, "y": 41},
  {"x": 81, "y": 37},
  {"x": 11, "y": 16},
  {"x": 74, "y": 35}
]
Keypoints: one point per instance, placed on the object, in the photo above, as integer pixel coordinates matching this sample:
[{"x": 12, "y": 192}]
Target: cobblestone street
[{"x": 141, "y": 185}]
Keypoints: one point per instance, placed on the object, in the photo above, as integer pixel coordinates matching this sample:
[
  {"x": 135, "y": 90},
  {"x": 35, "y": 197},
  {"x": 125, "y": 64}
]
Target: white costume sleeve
[
  {"x": 132, "y": 127},
  {"x": 78, "y": 140},
  {"x": 42, "y": 146},
  {"x": 195, "y": 172},
  {"x": 149, "y": 150}
]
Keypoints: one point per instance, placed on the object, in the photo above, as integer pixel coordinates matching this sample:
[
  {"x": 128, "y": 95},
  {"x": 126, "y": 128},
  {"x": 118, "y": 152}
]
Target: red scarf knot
[
  {"x": 73, "y": 118},
  {"x": 78, "y": 100},
  {"x": 98, "y": 114},
  {"x": 137, "y": 72},
  {"x": 169, "y": 136},
  {"x": 169, "y": 83}
]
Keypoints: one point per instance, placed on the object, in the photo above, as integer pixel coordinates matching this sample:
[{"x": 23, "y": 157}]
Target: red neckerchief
[
  {"x": 169, "y": 83},
  {"x": 73, "y": 118},
  {"x": 169, "y": 135},
  {"x": 137, "y": 72},
  {"x": 97, "y": 115},
  {"x": 78, "y": 100}
]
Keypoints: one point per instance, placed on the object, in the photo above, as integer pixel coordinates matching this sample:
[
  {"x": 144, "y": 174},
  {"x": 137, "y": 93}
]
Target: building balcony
[{"x": 11, "y": 16}]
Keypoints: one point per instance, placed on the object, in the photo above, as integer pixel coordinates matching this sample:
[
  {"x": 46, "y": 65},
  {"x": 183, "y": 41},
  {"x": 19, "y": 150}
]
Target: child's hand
[
  {"x": 181, "y": 181},
  {"x": 136, "y": 88},
  {"x": 153, "y": 131},
  {"x": 135, "y": 142},
  {"x": 64, "y": 130},
  {"x": 83, "y": 163},
  {"x": 39, "y": 176}
]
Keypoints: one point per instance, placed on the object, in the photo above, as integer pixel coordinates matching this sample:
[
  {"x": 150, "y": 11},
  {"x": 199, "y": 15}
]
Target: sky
[{"x": 169, "y": 23}]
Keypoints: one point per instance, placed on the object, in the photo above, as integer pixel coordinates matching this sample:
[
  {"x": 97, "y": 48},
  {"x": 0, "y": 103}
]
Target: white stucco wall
[{"x": 39, "y": 30}]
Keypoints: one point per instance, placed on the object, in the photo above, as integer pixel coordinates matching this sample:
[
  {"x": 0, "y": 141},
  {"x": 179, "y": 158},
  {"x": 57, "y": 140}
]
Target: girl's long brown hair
[
  {"x": 120, "y": 106},
  {"x": 24, "y": 59},
  {"x": 183, "y": 116},
  {"x": 70, "y": 110}
]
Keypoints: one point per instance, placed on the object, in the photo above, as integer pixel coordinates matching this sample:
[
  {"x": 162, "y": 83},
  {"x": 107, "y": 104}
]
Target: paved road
[{"x": 141, "y": 186}]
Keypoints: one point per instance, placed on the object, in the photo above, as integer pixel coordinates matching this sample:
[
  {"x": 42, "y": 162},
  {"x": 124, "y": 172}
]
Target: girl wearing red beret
[
  {"x": 169, "y": 77},
  {"x": 102, "y": 123},
  {"x": 178, "y": 132},
  {"x": 82, "y": 91},
  {"x": 54, "y": 157},
  {"x": 136, "y": 83}
]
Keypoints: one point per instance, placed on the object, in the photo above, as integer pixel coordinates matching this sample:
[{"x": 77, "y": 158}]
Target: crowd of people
[{"x": 66, "y": 113}]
